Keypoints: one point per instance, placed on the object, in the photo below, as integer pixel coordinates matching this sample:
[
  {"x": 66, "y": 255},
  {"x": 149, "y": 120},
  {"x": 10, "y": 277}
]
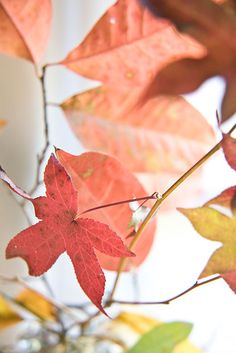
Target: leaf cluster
[{"x": 138, "y": 127}]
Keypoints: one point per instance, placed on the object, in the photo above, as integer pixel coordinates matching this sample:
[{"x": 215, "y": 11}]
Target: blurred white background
[{"x": 178, "y": 254}]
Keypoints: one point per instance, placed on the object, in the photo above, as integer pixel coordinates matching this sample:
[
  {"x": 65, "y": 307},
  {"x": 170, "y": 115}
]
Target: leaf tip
[
  {"x": 56, "y": 149},
  {"x": 182, "y": 210}
]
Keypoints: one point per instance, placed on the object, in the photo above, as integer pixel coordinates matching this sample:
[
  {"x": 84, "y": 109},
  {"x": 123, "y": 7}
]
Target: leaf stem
[
  {"x": 168, "y": 301},
  {"x": 156, "y": 206},
  {"x": 154, "y": 196}
]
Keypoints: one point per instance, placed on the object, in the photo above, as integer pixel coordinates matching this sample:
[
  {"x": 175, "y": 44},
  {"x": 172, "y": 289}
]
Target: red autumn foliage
[
  {"x": 148, "y": 139},
  {"x": 60, "y": 230},
  {"x": 101, "y": 179},
  {"x": 131, "y": 46}
]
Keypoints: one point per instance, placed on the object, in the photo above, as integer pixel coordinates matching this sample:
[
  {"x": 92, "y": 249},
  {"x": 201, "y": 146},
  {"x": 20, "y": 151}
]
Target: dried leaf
[
  {"x": 24, "y": 28},
  {"x": 37, "y": 304},
  {"x": 60, "y": 230},
  {"x": 8, "y": 316},
  {"x": 150, "y": 139},
  {"x": 212, "y": 25},
  {"x": 101, "y": 179}
]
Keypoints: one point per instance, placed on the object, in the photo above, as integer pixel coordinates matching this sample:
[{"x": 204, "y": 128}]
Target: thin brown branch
[
  {"x": 42, "y": 155},
  {"x": 168, "y": 301},
  {"x": 154, "y": 196}
]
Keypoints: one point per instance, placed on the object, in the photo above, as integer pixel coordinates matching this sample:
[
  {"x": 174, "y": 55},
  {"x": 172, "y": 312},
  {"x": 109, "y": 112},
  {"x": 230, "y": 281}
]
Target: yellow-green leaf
[
  {"x": 129, "y": 326},
  {"x": 216, "y": 226},
  {"x": 163, "y": 338}
]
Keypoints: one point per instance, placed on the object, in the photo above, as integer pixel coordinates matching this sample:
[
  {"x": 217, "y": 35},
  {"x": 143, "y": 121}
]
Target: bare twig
[
  {"x": 168, "y": 301},
  {"x": 154, "y": 196},
  {"x": 41, "y": 156}
]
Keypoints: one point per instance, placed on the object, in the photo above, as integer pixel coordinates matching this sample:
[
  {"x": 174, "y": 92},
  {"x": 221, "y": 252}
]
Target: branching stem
[
  {"x": 41, "y": 156},
  {"x": 154, "y": 196},
  {"x": 158, "y": 203},
  {"x": 168, "y": 301}
]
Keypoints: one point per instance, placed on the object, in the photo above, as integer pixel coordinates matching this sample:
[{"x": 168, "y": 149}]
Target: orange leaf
[
  {"x": 152, "y": 138},
  {"x": 8, "y": 316},
  {"x": 24, "y": 28},
  {"x": 101, "y": 179},
  {"x": 127, "y": 47},
  {"x": 37, "y": 304}
]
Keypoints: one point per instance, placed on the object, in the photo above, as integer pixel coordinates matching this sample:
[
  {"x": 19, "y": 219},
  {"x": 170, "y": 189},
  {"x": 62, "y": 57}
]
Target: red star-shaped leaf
[{"x": 59, "y": 230}]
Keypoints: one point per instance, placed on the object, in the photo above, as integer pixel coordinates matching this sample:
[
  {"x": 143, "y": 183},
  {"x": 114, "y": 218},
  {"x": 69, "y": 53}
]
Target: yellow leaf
[
  {"x": 36, "y": 304},
  {"x": 8, "y": 316},
  {"x": 214, "y": 225},
  {"x": 140, "y": 324}
]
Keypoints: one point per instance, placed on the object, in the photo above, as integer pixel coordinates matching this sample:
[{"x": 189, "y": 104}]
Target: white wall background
[{"x": 178, "y": 254}]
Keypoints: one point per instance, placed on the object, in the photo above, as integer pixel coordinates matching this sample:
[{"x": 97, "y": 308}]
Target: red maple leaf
[{"x": 59, "y": 230}]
